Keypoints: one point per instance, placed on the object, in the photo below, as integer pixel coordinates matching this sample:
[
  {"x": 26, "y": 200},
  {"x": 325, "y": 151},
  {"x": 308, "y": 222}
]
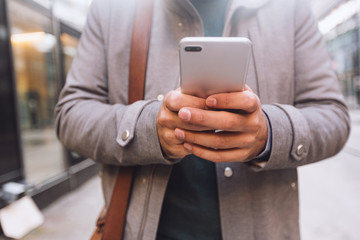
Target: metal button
[
  {"x": 160, "y": 97},
  {"x": 293, "y": 185},
  {"x": 228, "y": 172},
  {"x": 125, "y": 135},
  {"x": 300, "y": 150}
]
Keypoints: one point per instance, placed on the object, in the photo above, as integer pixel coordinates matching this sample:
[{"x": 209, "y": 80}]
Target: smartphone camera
[{"x": 193, "y": 49}]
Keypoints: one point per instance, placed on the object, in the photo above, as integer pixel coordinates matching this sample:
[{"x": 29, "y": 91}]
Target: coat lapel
[
  {"x": 242, "y": 21},
  {"x": 257, "y": 48}
]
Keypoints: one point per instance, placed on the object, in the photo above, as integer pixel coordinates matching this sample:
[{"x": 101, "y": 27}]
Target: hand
[
  {"x": 168, "y": 120},
  {"x": 244, "y": 132}
]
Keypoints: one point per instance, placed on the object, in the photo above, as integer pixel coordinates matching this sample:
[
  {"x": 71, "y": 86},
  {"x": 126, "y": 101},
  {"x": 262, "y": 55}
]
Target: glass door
[{"x": 33, "y": 45}]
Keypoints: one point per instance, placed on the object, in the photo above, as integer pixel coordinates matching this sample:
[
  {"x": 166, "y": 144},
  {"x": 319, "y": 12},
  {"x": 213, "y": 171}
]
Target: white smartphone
[{"x": 210, "y": 65}]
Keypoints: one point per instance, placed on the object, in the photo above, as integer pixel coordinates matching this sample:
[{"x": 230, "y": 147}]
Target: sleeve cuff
[
  {"x": 289, "y": 137},
  {"x": 143, "y": 144}
]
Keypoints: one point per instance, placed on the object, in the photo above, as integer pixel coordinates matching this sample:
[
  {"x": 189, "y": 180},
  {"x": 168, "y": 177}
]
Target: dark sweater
[{"x": 191, "y": 207}]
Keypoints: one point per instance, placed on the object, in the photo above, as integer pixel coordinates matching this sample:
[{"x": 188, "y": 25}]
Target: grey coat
[{"x": 290, "y": 71}]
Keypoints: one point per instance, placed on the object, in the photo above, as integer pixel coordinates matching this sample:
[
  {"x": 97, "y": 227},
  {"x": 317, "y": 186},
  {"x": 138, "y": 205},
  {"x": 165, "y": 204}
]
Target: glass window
[
  {"x": 69, "y": 45},
  {"x": 33, "y": 47},
  {"x": 344, "y": 51}
]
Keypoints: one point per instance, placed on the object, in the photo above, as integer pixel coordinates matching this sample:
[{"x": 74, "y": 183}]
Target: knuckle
[
  {"x": 253, "y": 102},
  {"x": 169, "y": 95},
  {"x": 162, "y": 119},
  {"x": 168, "y": 136},
  {"x": 227, "y": 100},
  {"x": 189, "y": 137},
  {"x": 172, "y": 100},
  {"x": 256, "y": 124},
  {"x": 220, "y": 142},
  {"x": 248, "y": 140},
  {"x": 200, "y": 117},
  {"x": 251, "y": 139},
  {"x": 230, "y": 123}
]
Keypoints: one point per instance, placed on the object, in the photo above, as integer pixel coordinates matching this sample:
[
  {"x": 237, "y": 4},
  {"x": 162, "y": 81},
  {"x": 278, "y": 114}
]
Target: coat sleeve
[
  {"x": 87, "y": 122},
  {"x": 317, "y": 125}
]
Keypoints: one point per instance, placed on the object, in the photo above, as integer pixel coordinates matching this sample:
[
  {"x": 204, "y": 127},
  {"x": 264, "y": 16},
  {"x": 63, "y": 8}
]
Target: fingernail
[
  {"x": 185, "y": 114},
  {"x": 180, "y": 134},
  {"x": 188, "y": 147},
  {"x": 211, "y": 102}
]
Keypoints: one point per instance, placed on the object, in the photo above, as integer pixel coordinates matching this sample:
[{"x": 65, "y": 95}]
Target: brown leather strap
[
  {"x": 139, "y": 49},
  {"x": 116, "y": 214}
]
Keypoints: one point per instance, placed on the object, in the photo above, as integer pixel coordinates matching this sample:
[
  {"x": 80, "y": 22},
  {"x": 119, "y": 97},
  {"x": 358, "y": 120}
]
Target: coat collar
[
  {"x": 248, "y": 4},
  {"x": 183, "y": 7}
]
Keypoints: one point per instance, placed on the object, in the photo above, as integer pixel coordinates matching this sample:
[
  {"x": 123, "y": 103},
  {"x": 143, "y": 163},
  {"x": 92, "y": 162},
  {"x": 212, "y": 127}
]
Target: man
[{"x": 292, "y": 113}]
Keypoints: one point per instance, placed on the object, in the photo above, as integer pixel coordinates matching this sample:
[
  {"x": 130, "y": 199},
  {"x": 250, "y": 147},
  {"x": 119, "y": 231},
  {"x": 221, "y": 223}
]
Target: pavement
[
  {"x": 330, "y": 193},
  {"x": 329, "y": 200},
  {"x": 73, "y": 216}
]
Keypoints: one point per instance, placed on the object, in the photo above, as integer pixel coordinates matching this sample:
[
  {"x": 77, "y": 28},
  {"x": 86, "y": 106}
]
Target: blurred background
[{"x": 38, "y": 40}]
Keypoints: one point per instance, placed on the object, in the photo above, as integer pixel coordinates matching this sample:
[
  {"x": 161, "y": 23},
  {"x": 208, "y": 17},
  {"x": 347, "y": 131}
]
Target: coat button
[
  {"x": 160, "y": 97},
  {"x": 125, "y": 135},
  {"x": 228, "y": 172},
  {"x": 300, "y": 150}
]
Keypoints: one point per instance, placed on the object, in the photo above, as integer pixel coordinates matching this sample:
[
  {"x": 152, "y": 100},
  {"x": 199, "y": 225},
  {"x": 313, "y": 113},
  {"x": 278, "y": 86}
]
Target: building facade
[
  {"x": 342, "y": 35},
  {"x": 38, "y": 40}
]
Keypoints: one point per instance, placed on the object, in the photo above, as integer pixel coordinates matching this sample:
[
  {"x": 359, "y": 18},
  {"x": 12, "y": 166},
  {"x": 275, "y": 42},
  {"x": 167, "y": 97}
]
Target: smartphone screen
[{"x": 210, "y": 65}]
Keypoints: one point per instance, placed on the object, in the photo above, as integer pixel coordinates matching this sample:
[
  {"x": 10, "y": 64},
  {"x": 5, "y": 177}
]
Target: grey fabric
[{"x": 290, "y": 71}]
